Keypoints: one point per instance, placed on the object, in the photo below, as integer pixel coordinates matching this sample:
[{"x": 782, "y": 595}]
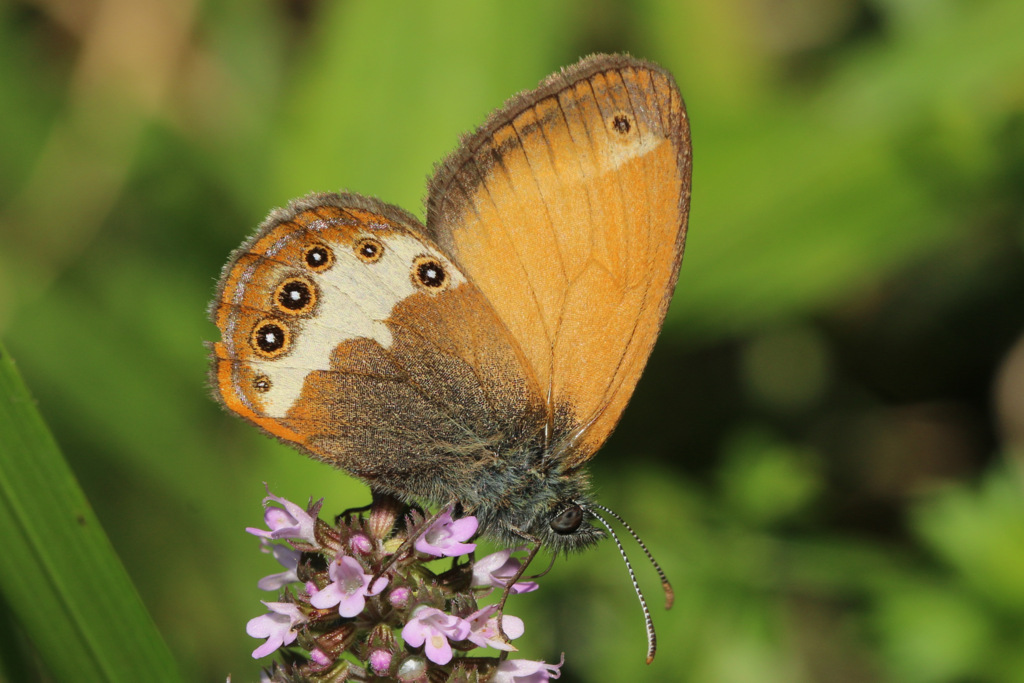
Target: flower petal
[
  {"x": 437, "y": 649},
  {"x": 328, "y": 597},
  {"x": 414, "y": 633},
  {"x": 351, "y": 604}
]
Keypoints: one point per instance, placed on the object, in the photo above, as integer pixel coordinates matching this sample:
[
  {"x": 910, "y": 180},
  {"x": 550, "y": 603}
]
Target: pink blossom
[
  {"x": 445, "y": 537},
  {"x": 348, "y": 589},
  {"x": 360, "y": 544},
  {"x": 289, "y": 559},
  {"x": 484, "y": 629},
  {"x": 497, "y": 569},
  {"x": 380, "y": 662},
  {"x": 434, "y": 628},
  {"x": 526, "y": 671},
  {"x": 278, "y": 626},
  {"x": 400, "y": 597},
  {"x": 288, "y": 521}
]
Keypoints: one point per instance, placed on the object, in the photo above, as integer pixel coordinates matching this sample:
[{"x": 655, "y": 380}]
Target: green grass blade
[{"x": 59, "y": 574}]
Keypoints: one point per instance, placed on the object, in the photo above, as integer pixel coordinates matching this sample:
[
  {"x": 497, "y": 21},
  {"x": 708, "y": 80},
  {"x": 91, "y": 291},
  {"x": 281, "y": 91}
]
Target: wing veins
[
  {"x": 616, "y": 385},
  {"x": 512, "y": 242},
  {"x": 540, "y": 193}
]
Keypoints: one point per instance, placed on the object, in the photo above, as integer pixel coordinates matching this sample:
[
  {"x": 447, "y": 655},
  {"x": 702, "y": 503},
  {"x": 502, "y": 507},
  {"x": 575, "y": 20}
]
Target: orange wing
[{"x": 568, "y": 210}]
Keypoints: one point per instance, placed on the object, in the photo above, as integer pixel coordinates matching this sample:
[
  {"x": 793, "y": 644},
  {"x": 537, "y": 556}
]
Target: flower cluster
[{"x": 349, "y": 590}]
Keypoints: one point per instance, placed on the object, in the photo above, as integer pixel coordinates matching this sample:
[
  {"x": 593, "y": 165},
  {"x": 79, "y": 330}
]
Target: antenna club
[{"x": 670, "y": 594}]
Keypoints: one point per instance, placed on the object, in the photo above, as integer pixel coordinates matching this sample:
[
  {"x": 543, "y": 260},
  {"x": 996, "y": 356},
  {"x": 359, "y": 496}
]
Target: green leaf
[{"x": 59, "y": 575}]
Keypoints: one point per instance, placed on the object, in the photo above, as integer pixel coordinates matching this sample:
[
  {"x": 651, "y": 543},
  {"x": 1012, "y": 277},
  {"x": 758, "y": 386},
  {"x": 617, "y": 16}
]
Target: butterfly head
[{"x": 569, "y": 528}]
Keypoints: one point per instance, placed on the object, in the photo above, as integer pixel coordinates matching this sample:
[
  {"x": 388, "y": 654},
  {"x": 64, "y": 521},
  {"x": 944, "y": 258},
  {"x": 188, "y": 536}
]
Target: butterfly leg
[{"x": 347, "y": 514}]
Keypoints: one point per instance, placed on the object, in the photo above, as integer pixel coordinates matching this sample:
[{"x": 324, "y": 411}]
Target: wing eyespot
[
  {"x": 318, "y": 258},
  {"x": 429, "y": 274},
  {"x": 270, "y": 338},
  {"x": 369, "y": 250},
  {"x": 262, "y": 384},
  {"x": 623, "y": 124},
  {"x": 295, "y": 296}
]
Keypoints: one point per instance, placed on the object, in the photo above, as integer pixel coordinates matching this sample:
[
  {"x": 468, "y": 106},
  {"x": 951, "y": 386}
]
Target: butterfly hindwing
[{"x": 349, "y": 334}]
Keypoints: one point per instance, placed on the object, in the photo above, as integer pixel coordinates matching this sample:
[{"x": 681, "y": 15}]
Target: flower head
[
  {"x": 278, "y": 626},
  {"x": 348, "y": 589},
  {"x": 433, "y": 628},
  {"x": 329, "y": 572},
  {"x": 287, "y": 521},
  {"x": 497, "y": 569},
  {"x": 445, "y": 537}
]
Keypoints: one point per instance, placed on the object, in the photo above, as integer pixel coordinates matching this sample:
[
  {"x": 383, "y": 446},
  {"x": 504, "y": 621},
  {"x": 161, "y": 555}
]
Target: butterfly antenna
[
  {"x": 670, "y": 595},
  {"x": 652, "y": 638}
]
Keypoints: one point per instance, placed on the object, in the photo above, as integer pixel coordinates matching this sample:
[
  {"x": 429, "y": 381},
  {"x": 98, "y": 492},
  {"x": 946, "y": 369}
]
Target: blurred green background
[{"x": 825, "y": 449}]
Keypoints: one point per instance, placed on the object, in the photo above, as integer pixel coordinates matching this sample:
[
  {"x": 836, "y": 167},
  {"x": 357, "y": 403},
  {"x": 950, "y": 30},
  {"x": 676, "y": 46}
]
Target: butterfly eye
[
  {"x": 270, "y": 338},
  {"x": 568, "y": 520},
  {"x": 429, "y": 274},
  {"x": 369, "y": 250},
  {"x": 295, "y": 296},
  {"x": 622, "y": 123},
  {"x": 318, "y": 257}
]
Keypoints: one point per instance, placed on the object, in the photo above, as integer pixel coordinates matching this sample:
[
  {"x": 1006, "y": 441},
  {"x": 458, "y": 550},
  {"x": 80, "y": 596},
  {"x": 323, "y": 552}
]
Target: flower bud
[{"x": 383, "y": 514}]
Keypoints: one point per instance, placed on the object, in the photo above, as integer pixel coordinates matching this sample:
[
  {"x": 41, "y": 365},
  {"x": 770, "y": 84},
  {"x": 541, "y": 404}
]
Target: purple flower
[
  {"x": 360, "y": 544},
  {"x": 484, "y": 629},
  {"x": 497, "y": 569},
  {"x": 400, "y": 597},
  {"x": 278, "y": 626},
  {"x": 290, "y": 522},
  {"x": 380, "y": 662},
  {"x": 445, "y": 537},
  {"x": 289, "y": 559},
  {"x": 526, "y": 671},
  {"x": 349, "y": 587},
  {"x": 433, "y": 627}
]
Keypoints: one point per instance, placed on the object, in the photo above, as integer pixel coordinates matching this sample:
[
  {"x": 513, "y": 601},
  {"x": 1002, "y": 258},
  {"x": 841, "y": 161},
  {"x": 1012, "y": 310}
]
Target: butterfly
[{"x": 481, "y": 358}]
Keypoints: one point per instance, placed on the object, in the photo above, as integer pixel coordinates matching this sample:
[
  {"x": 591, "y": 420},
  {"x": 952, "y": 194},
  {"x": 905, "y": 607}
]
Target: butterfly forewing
[{"x": 568, "y": 211}]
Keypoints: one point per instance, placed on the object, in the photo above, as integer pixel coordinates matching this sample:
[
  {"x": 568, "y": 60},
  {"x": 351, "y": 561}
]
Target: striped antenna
[
  {"x": 652, "y": 638},
  {"x": 670, "y": 595}
]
